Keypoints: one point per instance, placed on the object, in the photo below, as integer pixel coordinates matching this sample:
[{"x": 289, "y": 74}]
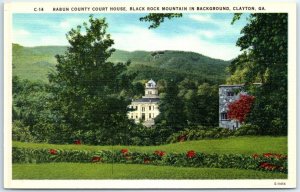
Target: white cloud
[
  {"x": 202, "y": 18},
  {"x": 65, "y": 25},
  {"x": 137, "y": 38},
  {"x": 21, "y": 32},
  {"x": 68, "y": 23},
  {"x": 224, "y": 26},
  {"x": 207, "y": 33},
  {"x": 52, "y": 40}
]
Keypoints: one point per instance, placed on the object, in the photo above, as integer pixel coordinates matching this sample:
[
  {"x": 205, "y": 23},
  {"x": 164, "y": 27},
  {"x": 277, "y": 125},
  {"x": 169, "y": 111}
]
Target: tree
[
  {"x": 264, "y": 42},
  {"x": 30, "y": 108},
  {"x": 201, "y": 103},
  {"x": 239, "y": 109},
  {"x": 158, "y": 18},
  {"x": 89, "y": 92},
  {"x": 172, "y": 108}
]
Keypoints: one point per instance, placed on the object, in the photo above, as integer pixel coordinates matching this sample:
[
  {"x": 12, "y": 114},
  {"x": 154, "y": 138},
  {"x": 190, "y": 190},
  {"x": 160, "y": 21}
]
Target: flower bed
[{"x": 264, "y": 162}]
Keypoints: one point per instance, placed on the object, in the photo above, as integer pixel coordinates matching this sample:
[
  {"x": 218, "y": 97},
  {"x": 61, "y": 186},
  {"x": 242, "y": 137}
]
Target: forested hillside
[{"x": 34, "y": 63}]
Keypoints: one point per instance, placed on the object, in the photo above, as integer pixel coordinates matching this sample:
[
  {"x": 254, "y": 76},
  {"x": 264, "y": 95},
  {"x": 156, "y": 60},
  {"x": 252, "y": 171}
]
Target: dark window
[
  {"x": 143, "y": 108},
  {"x": 149, "y": 108},
  {"x": 149, "y": 115},
  {"x": 136, "y": 107},
  {"x": 230, "y": 93},
  {"x": 143, "y": 116},
  {"x": 224, "y": 116}
]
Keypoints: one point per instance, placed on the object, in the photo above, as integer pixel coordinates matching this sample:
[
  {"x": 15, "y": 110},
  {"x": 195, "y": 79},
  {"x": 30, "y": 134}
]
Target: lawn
[
  {"x": 233, "y": 145},
  {"x": 122, "y": 171}
]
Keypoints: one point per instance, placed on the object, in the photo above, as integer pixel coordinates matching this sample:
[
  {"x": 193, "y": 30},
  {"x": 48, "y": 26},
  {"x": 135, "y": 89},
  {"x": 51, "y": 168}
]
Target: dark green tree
[
  {"x": 158, "y": 18},
  {"x": 264, "y": 42},
  {"x": 89, "y": 92},
  {"x": 172, "y": 108},
  {"x": 30, "y": 108},
  {"x": 202, "y": 106}
]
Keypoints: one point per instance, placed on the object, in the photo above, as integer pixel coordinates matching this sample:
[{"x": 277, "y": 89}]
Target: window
[
  {"x": 230, "y": 93},
  {"x": 143, "y": 108},
  {"x": 224, "y": 116},
  {"x": 131, "y": 116},
  {"x": 149, "y": 115},
  {"x": 136, "y": 116},
  {"x": 149, "y": 108},
  {"x": 136, "y": 107}
]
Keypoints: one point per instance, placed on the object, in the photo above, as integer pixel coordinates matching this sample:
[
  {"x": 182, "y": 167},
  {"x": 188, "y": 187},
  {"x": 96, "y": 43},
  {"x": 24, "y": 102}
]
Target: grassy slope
[
  {"x": 234, "y": 145},
  {"x": 119, "y": 171},
  {"x": 34, "y": 63}
]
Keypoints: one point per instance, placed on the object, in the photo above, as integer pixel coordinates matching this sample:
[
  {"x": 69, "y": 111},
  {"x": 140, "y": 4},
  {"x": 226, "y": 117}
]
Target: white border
[{"x": 10, "y": 8}]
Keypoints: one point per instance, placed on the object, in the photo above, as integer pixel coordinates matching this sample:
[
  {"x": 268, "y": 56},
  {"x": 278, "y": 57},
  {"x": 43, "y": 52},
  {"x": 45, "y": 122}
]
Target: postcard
[{"x": 139, "y": 95}]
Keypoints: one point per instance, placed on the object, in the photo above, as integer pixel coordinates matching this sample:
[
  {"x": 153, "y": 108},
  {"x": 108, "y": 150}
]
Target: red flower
[
  {"x": 190, "y": 154},
  {"x": 255, "y": 156},
  {"x": 96, "y": 159},
  {"x": 53, "y": 151},
  {"x": 268, "y": 166},
  {"x": 264, "y": 164},
  {"x": 159, "y": 153},
  {"x": 124, "y": 151},
  {"x": 77, "y": 142},
  {"x": 271, "y": 167},
  {"x": 267, "y": 155}
]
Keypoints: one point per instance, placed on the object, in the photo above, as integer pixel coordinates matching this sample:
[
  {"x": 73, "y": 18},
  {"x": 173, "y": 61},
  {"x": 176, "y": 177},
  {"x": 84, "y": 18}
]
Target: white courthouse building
[{"x": 146, "y": 109}]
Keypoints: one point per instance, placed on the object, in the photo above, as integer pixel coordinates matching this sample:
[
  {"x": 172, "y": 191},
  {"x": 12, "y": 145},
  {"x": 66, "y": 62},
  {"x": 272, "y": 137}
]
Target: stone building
[
  {"x": 228, "y": 94},
  {"x": 146, "y": 109}
]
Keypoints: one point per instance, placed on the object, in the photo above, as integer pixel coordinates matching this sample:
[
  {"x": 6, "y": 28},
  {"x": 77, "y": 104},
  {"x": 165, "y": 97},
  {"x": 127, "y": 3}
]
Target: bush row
[
  {"x": 266, "y": 162},
  {"x": 198, "y": 133}
]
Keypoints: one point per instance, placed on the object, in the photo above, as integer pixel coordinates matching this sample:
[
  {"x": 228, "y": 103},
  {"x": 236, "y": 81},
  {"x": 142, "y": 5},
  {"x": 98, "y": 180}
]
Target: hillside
[{"x": 34, "y": 63}]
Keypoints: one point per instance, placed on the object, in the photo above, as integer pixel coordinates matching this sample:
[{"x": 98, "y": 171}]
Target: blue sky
[{"x": 209, "y": 34}]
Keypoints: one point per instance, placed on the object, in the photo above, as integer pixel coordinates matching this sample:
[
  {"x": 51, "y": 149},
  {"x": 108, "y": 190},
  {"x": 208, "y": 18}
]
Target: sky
[{"x": 208, "y": 34}]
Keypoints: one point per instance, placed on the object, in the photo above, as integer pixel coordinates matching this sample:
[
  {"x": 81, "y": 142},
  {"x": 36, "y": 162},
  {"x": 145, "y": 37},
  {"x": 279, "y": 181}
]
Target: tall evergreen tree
[{"x": 172, "y": 108}]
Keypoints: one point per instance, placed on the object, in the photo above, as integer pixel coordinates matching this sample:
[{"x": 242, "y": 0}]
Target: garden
[{"x": 205, "y": 159}]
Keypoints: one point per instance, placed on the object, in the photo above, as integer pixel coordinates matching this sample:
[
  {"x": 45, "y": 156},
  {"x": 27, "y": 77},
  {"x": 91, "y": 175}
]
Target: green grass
[
  {"x": 233, "y": 145},
  {"x": 120, "y": 171}
]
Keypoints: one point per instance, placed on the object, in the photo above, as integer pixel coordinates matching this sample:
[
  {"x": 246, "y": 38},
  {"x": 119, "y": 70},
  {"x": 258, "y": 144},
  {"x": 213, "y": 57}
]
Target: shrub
[
  {"x": 264, "y": 162},
  {"x": 247, "y": 129},
  {"x": 197, "y": 133},
  {"x": 21, "y": 132}
]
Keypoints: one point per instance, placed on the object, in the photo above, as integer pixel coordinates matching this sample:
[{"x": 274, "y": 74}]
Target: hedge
[{"x": 264, "y": 162}]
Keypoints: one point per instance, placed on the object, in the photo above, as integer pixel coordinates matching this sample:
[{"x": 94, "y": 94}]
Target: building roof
[
  {"x": 238, "y": 85},
  {"x": 147, "y": 100},
  {"x": 151, "y": 81},
  {"x": 150, "y": 84}
]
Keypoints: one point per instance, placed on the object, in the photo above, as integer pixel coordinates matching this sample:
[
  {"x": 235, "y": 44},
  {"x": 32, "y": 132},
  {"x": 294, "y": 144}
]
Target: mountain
[{"x": 34, "y": 63}]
